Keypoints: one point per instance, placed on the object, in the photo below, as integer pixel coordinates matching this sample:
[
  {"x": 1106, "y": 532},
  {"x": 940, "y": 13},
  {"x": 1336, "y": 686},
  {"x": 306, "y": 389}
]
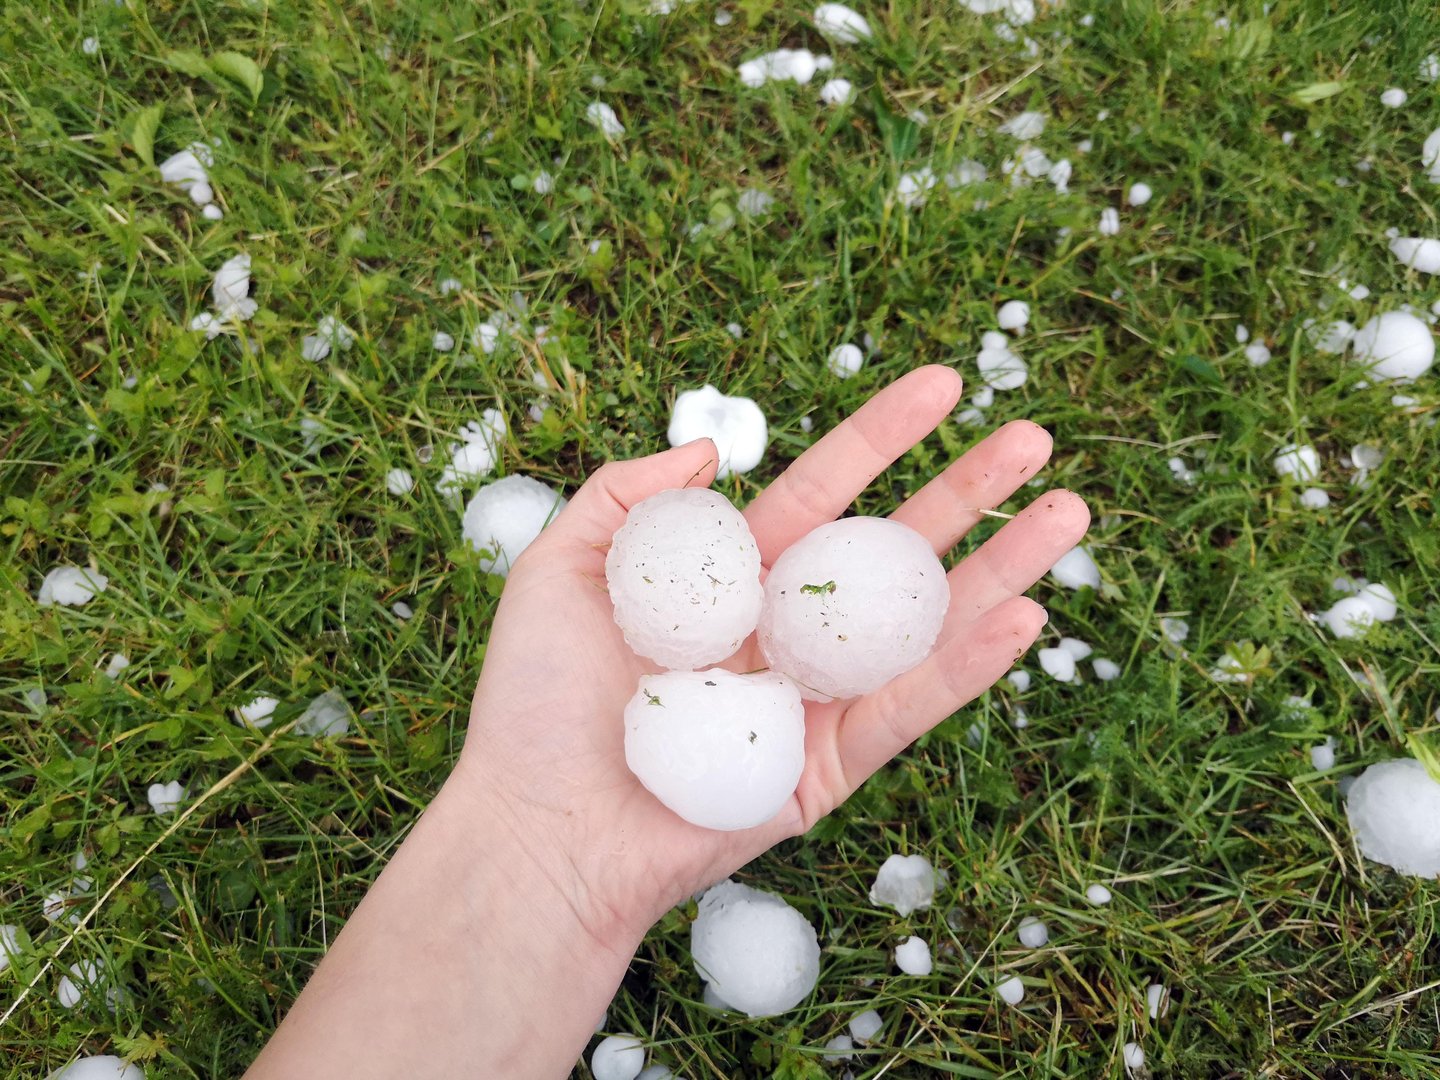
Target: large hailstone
[
  {"x": 1394, "y": 808},
  {"x": 1395, "y": 346},
  {"x": 723, "y": 751},
  {"x": 755, "y": 951},
  {"x": 735, "y": 424},
  {"x": 505, "y": 517},
  {"x": 1417, "y": 252},
  {"x": 70, "y": 586},
  {"x": 851, "y": 605},
  {"x": 684, "y": 576},
  {"x": 105, "y": 1067}
]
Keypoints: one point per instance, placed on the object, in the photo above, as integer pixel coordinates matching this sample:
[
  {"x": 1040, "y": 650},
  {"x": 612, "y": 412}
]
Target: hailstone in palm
[
  {"x": 684, "y": 576},
  {"x": 505, "y": 517},
  {"x": 851, "y": 605},
  {"x": 721, "y": 750},
  {"x": 758, "y": 953}
]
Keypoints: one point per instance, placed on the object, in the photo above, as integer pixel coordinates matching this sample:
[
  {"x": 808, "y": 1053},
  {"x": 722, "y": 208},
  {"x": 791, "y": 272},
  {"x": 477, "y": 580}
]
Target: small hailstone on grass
[
  {"x": 864, "y": 1026},
  {"x": 1322, "y": 757},
  {"x": 118, "y": 663},
  {"x": 1302, "y": 462},
  {"x": 1059, "y": 174},
  {"x": 837, "y": 92},
  {"x": 1348, "y": 617},
  {"x": 70, "y": 586},
  {"x": 1358, "y": 292},
  {"x": 104, "y": 1067},
  {"x": 476, "y": 455},
  {"x": 966, "y": 173},
  {"x": 1011, "y": 990},
  {"x": 620, "y": 1057},
  {"x": 1418, "y": 253},
  {"x": 912, "y": 187},
  {"x": 402, "y": 611},
  {"x": 449, "y": 285},
  {"x": 759, "y": 953},
  {"x": 851, "y": 605},
  {"x": 1379, "y": 599},
  {"x": 1084, "y": 146},
  {"x": 258, "y": 713},
  {"x": 912, "y": 956},
  {"x": 723, "y": 18},
  {"x": 230, "y": 291},
  {"x": 1257, "y": 353},
  {"x": 1242, "y": 333},
  {"x": 841, "y": 24},
  {"x": 807, "y": 424},
  {"x": 1314, "y": 498},
  {"x": 794, "y": 65},
  {"x": 1394, "y": 810},
  {"x": 1287, "y": 137},
  {"x": 211, "y": 212},
  {"x": 1157, "y": 1001},
  {"x": 1175, "y": 630},
  {"x": 1333, "y": 337},
  {"x": 327, "y": 714},
  {"x": 1078, "y": 649},
  {"x": 735, "y": 330},
  {"x": 840, "y": 1048},
  {"x": 442, "y": 342},
  {"x": 1033, "y": 933},
  {"x": 1098, "y": 894},
  {"x": 310, "y": 432},
  {"x": 1394, "y": 98},
  {"x": 905, "y": 883},
  {"x": 656, "y": 1072},
  {"x": 604, "y": 118},
  {"x": 399, "y": 482},
  {"x": 1058, "y": 664},
  {"x": 1001, "y": 367},
  {"x": 1133, "y": 1055},
  {"x": 983, "y": 398},
  {"x": 165, "y": 798},
  {"x": 1020, "y": 680},
  {"x": 9, "y": 945},
  {"x": 844, "y": 360},
  {"x": 543, "y": 183},
  {"x": 684, "y": 578},
  {"x": 82, "y": 980},
  {"x": 1139, "y": 194},
  {"x": 1024, "y": 126},
  {"x": 1076, "y": 569},
  {"x": 735, "y": 424},
  {"x": 1013, "y": 315},
  {"x": 1106, "y": 670},
  {"x": 722, "y": 751},
  {"x": 90, "y": 46},
  {"x": 1109, "y": 221},
  {"x": 504, "y": 518}
]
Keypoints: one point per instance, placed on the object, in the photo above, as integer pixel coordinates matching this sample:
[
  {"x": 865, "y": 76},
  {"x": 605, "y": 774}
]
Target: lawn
[{"x": 366, "y": 153}]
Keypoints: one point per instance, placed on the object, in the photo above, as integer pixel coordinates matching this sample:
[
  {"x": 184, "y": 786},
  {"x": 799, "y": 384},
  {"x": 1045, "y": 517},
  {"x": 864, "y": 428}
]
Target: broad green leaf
[
  {"x": 191, "y": 63},
  {"x": 1250, "y": 40},
  {"x": 1308, "y": 95},
  {"x": 241, "y": 69},
  {"x": 142, "y": 132}
]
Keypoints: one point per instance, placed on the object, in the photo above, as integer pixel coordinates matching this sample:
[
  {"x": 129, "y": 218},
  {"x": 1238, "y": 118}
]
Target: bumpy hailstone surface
[
  {"x": 620, "y": 1057},
  {"x": 865, "y": 1026},
  {"x": 1417, "y": 253},
  {"x": 794, "y": 65},
  {"x": 1034, "y": 934},
  {"x": 912, "y": 956},
  {"x": 841, "y": 24},
  {"x": 721, "y": 750},
  {"x": 1394, "y": 808},
  {"x": 684, "y": 576},
  {"x": 1395, "y": 346},
  {"x": 845, "y": 360},
  {"x": 70, "y": 586},
  {"x": 852, "y": 605},
  {"x": 105, "y": 1067},
  {"x": 505, "y": 517},
  {"x": 905, "y": 883},
  {"x": 735, "y": 424},
  {"x": 1076, "y": 569},
  {"x": 758, "y": 952}
]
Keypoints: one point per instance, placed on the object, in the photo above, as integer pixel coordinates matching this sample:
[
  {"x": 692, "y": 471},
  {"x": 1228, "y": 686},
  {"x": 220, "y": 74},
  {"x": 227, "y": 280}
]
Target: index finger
[{"x": 823, "y": 481}]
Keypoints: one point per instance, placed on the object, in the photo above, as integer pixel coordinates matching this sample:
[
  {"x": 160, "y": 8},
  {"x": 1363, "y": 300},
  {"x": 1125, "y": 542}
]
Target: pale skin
[{"x": 499, "y": 932}]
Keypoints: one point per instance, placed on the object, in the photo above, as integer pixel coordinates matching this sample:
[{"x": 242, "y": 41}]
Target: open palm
[{"x": 546, "y": 746}]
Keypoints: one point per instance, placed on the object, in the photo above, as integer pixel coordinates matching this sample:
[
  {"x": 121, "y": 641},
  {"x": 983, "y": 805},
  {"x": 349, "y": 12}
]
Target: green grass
[{"x": 392, "y": 145}]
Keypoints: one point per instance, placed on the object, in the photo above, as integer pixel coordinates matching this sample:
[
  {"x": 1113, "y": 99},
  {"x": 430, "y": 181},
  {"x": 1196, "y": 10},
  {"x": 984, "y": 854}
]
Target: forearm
[{"x": 461, "y": 943}]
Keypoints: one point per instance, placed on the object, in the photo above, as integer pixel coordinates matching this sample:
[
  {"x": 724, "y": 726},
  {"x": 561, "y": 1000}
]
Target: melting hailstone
[
  {"x": 758, "y": 953},
  {"x": 327, "y": 714},
  {"x": 70, "y": 586},
  {"x": 684, "y": 576},
  {"x": 851, "y": 605},
  {"x": 735, "y": 424},
  {"x": 723, "y": 751},
  {"x": 604, "y": 118},
  {"x": 620, "y": 1057},
  {"x": 905, "y": 883},
  {"x": 505, "y": 517},
  {"x": 1394, "y": 808}
]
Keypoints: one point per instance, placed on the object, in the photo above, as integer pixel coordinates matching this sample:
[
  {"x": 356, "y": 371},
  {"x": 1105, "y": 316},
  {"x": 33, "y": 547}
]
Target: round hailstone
[
  {"x": 723, "y": 751},
  {"x": 1139, "y": 194},
  {"x": 1314, "y": 498},
  {"x": 1013, "y": 315},
  {"x": 620, "y": 1057},
  {"x": 1322, "y": 757},
  {"x": 1134, "y": 1056},
  {"x": 505, "y": 517},
  {"x": 684, "y": 576},
  {"x": 70, "y": 586},
  {"x": 1155, "y": 1000},
  {"x": 440, "y": 341},
  {"x": 837, "y": 92},
  {"x": 104, "y": 1067},
  {"x": 735, "y": 424},
  {"x": 912, "y": 956},
  {"x": 841, "y": 24},
  {"x": 1301, "y": 462},
  {"x": 1076, "y": 569},
  {"x": 1020, "y": 680},
  {"x": 1105, "y": 670},
  {"x": 1011, "y": 990},
  {"x": 1349, "y": 617},
  {"x": 1034, "y": 934},
  {"x": 844, "y": 360},
  {"x": 1098, "y": 894},
  {"x": 865, "y": 1026},
  {"x": 165, "y": 798},
  {"x": 1395, "y": 346},
  {"x": 1379, "y": 599},
  {"x": 1417, "y": 252},
  {"x": 1001, "y": 367},
  {"x": 1394, "y": 97},
  {"x": 1257, "y": 353},
  {"x": 1394, "y": 808},
  {"x": 851, "y": 605},
  {"x": 757, "y": 952},
  {"x": 905, "y": 883},
  {"x": 399, "y": 482}
]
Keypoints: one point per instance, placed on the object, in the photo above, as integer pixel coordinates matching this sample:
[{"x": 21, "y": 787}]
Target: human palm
[{"x": 547, "y": 737}]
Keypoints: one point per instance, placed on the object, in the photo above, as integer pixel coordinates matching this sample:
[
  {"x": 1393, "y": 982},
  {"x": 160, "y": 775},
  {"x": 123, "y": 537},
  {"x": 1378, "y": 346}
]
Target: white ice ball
[
  {"x": 505, "y": 517},
  {"x": 619, "y": 1057},
  {"x": 1394, "y": 808},
  {"x": 905, "y": 883},
  {"x": 1076, "y": 569},
  {"x": 1417, "y": 252},
  {"x": 1395, "y": 346},
  {"x": 1011, "y": 990},
  {"x": 1139, "y": 194},
  {"x": 912, "y": 956},
  {"x": 104, "y": 1067},
  {"x": 1349, "y": 617},
  {"x": 1013, "y": 315},
  {"x": 851, "y": 605},
  {"x": 758, "y": 953},
  {"x": 845, "y": 360},
  {"x": 684, "y": 576},
  {"x": 840, "y": 23},
  {"x": 1034, "y": 934},
  {"x": 1299, "y": 461},
  {"x": 721, "y": 750}
]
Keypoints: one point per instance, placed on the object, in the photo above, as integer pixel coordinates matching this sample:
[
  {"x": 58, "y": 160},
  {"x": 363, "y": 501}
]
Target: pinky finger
[{"x": 880, "y": 725}]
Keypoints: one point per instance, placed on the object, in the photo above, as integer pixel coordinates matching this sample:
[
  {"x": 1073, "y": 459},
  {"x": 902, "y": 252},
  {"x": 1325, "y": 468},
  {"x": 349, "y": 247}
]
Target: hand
[{"x": 545, "y": 752}]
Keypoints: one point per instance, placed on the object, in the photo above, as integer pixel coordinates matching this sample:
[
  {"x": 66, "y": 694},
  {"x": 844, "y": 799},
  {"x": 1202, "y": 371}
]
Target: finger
[
  {"x": 600, "y": 506},
  {"x": 949, "y": 506},
  {"x": 1015, "y": 558},
  {"x": 823, "y": 481},
  {"x": 878, "y": 726}
]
